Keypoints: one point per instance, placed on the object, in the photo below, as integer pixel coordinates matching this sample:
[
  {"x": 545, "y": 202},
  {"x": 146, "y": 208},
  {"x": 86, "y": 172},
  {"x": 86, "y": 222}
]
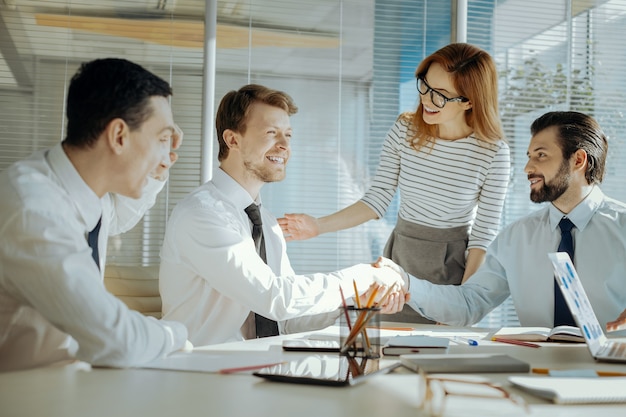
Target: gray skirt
[{"x": 436, "y": 255}]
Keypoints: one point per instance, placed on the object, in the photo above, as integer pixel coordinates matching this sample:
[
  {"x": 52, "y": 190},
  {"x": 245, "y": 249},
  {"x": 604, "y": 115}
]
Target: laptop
[{"x": 601, "y": 348}]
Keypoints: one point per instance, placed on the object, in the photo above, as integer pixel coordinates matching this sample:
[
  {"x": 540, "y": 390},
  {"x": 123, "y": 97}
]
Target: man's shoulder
[
  {"x": 204, "y": 196},
  {"x": 611, "y": 212},
  {"x": 614, "y": 205},
  {"x": 25, "y": 186},
  {"x": 206, "y": 203},
  {"x": 531, "y": 221}
]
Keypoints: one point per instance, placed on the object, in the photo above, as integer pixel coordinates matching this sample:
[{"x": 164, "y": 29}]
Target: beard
[
  {"x": 263, "y": 173},
  {"x": 553, "y": 189}
]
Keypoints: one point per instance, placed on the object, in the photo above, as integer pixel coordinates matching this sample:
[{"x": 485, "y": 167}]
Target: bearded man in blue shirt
[{"x": 566, "y": 164}]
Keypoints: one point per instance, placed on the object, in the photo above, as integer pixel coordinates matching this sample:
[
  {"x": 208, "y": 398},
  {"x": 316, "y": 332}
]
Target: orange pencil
[
  {"x": 599, "y": 373},
  {"x": 248, "y": 368},
  {"x": 356, "y": 294},
  {"x": 515, "y": 342}
]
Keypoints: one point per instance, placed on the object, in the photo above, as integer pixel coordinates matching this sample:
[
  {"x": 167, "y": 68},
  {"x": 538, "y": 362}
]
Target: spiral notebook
[{"x": 574, "y": 390}]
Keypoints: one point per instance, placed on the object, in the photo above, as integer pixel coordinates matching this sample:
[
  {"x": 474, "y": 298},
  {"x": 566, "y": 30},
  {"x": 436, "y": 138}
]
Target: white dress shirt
[
  {"x": 211, "y": 276},
  {"x": 517, "y": 264},
  {"x": 53, "y": 304}
]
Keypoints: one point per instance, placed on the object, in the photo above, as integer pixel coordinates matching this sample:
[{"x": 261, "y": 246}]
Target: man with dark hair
[
  {"x": 224, "y": 267},
  {"x": 566, "y": 163},
  {"x": 57, "y": 209}
]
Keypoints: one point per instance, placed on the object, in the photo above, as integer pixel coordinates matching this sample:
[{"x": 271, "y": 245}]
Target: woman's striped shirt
[{"x": 448, "y": 184}]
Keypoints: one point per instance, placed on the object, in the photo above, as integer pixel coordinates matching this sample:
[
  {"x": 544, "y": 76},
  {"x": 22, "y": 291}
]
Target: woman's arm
[
  {"x": 475, "y": 258},
  {"x": 299, "y": 226}
]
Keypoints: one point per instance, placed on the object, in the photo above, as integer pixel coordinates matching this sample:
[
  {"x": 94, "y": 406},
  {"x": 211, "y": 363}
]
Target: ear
[
  {"x": 117, "y": 135},
  {"x": 231, "y": 138},
  {"x": 467, "y": 105},
  {"x": 579, "y": 160}
]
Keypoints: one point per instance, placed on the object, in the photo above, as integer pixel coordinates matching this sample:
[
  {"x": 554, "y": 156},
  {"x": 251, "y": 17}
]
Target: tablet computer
[{"x": 333, "y": 370}]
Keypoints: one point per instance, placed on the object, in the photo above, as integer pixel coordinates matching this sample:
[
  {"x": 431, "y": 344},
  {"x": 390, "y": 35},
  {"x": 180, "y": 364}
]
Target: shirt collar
[
  {"x": 582, "y": 213},
  {"x": 235, "y": 192},
  {"x": 88, "y": 204}
]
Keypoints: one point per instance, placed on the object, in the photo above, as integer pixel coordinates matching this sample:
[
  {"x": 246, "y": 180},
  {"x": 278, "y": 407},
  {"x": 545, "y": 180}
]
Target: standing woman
[{"x": 451, "y": 164}]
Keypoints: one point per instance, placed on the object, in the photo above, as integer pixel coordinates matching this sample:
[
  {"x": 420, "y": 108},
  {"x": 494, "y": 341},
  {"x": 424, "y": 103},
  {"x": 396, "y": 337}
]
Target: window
[{"x": 349, "y": 66}]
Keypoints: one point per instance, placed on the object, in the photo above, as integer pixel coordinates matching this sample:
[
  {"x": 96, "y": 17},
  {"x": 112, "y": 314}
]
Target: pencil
[
  {"x": 515, "y": 342},
  {"x": 248, "y": 368},
  {"x": 402, "y": 329},
  {"x": 599, "y": 373},
  {"x": 356, "y": 294},
  {"x": 370, "y": 301},
  {"x": 387, "y": 294},
  {"x": 345, "y": 309}
]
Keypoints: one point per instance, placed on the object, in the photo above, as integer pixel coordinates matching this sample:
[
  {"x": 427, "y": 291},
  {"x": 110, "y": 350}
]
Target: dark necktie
[
  {"x": 264, "y": 326},
  {"x": 92, "y": 241},
  {"x": 562, "y": 314}
]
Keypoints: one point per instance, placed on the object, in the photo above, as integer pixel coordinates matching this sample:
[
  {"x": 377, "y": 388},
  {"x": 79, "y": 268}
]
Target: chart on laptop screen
[{"x": 576, "y": 297}]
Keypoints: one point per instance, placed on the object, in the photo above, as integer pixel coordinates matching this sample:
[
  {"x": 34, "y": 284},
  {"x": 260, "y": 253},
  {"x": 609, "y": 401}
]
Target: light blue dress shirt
[{"x": 517, "y": 264}]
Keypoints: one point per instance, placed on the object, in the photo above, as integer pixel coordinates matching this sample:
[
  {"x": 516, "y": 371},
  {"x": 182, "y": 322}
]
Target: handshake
[{"x": 390, "y": 280}]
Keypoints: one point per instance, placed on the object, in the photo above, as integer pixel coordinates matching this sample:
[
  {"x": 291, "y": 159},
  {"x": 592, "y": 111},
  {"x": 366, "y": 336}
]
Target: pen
[
  {"x": 248, "y": 368},
  {"x": 403, "y": 329},
  {"x": 467, "y": 340},
  {"x": 599, "y": 373},
  {"x": 515, "y": 342}
]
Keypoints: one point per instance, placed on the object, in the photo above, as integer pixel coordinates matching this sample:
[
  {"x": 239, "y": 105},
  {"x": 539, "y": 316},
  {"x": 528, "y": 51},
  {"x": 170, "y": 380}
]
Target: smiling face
[
  {"x": 149, "y": 146},
  {"x": 453, "y": 113},
  {"x": 264, "y": 147},
  {"x": 548, "y": 172}
]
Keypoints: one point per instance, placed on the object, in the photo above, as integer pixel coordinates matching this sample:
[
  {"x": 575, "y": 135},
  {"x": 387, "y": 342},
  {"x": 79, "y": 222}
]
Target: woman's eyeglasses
[
  {"x": 436, "y": 97},
  {"x": 434, "y": 391}
]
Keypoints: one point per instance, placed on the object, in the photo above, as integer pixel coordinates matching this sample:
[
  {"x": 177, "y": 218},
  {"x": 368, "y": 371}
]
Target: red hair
[{"x": 474, "y": 76}]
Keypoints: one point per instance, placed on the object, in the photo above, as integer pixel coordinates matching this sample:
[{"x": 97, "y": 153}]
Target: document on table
[
  {"x": 213, "y": 361},
  {"x": 574, "y": 390}
]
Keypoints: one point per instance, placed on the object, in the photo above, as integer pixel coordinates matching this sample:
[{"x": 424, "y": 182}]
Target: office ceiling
[{"x": 173, "y": 29}]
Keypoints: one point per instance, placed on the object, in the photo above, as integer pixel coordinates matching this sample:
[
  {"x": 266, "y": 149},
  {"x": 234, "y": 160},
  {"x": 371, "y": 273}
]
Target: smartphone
[
  {"x": 333, "y": 370},
  {"x": 307, "y": 345}
]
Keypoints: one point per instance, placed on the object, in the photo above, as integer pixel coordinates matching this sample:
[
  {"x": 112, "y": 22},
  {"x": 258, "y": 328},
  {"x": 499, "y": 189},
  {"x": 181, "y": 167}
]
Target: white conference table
[{"x": 76, "y": 389}]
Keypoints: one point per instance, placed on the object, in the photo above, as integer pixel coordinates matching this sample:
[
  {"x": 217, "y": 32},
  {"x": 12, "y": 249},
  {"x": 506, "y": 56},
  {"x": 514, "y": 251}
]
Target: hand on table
[
  {"x": 617, "y": 324},
  {"x": 187, "y": 348}
]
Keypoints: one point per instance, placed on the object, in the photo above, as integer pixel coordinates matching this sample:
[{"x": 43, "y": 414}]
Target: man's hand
[
  {"x": 298, "y": 226},
  {"x": 187, "y": 348},
  {"x": 617, "y": 324},
  {"x": 383, "y": 263},
  {"x": 389, "y": 299},
  {"x": 161, "y": 172}
]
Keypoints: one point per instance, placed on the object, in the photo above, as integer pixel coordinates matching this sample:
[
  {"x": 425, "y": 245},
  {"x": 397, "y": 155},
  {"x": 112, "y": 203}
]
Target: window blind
[{"x": 349, "y": 66}]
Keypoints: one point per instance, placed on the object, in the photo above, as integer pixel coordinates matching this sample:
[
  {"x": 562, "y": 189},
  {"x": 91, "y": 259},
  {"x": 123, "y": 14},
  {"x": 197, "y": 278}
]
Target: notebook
[
  {"x": 463, "y": 363},
  {"x": 601, "y": 348},
  {"x": 574, "y": 390},
  {"x": 405, "y": 344}
]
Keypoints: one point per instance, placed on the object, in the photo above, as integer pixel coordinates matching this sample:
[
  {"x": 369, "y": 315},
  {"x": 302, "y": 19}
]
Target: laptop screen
[{"x": 577, "y": 300}]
